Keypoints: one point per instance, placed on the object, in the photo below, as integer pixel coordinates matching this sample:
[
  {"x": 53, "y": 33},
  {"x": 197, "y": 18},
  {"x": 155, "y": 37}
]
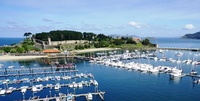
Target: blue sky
[{"x": 144, "y": 18}]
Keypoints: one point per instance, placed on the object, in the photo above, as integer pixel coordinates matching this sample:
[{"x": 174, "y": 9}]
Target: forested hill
[
  {"x": 192, "y": 36},
  {"x": 59, "y": 35}
]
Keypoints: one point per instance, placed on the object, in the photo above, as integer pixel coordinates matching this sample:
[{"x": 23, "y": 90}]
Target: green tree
[
  {"x": 103, "y": 43},
  {"x": 76, "y": 47},
  {"x": 130, "y": 41},
  {"x": 27, "y": 34},
  {"x": 7, "y": 49},
  {"x": 117, "y": 42},
  {"x": 20, "y": 50},
  {"x": 146, "y": 42},
  {"x": 13, "y": 50}
]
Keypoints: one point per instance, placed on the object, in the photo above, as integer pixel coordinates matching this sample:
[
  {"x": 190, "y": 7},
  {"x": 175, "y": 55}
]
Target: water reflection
[{"x": 175, "y": 80}]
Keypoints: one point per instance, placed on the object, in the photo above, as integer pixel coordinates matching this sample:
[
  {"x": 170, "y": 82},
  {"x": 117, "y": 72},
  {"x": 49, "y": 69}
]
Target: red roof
[{"x": 51, "y": 51}]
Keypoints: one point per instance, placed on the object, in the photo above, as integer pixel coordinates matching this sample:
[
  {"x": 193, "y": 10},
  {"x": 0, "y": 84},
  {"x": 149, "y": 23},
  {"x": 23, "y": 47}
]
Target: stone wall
[{"x": 67, "y": 42}]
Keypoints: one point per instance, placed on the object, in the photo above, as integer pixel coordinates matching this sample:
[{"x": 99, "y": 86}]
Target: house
[
  {"x": 51, "y": 51},
  {"x": 137, "y": 39}
]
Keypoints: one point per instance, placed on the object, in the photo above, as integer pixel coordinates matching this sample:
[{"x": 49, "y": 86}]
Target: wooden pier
[{"x": 100, "y": 93}]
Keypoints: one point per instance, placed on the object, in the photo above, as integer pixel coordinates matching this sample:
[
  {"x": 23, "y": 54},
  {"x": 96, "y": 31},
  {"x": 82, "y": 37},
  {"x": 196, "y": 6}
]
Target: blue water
[
  {"x": 125, "y": 85},
  {"x": 176, "y": 42},
  {"x": 9, "y": 41}
]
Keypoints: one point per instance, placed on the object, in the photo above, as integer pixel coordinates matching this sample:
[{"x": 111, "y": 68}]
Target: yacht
[
  {"x": 193, "y": 72},
  {"x": 95, "y": 83},
  {"x": 10, "y": 67},
  {"x": 197, "y": 81},
  {"x": 24, "y": 88},
  {"x": 2, "y": 92},
  {"x": 75, "y": 85},
  {"x": 70, "y": 85},
  {"x": 57, "y": 86},
  {"x": 69, "y": 97},
  {"x": 80, "y": 85},
  {"x": 37, "y": 88},
  {"x": 9, "y": 90},
  {"x": 89, "y": 97}
]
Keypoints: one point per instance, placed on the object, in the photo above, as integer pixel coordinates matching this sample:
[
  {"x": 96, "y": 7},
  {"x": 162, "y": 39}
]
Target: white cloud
[
  {"x": 136, "y": 24},
  {"x": 189, "y": 26}
]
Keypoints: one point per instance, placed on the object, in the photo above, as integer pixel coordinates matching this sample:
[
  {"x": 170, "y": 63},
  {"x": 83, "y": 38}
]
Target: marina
[
  {"x": 121, "y": 74},
  {"x": 71, "y": 96},
  {"x": 56, "y": 78},
  {"x": 100, "y": 50}
]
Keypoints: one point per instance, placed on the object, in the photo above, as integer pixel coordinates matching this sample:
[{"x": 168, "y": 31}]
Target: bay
[
  {"x": 125, "y": 85},
  {"x": 176, "y": 42},
  {"x": 9, "y": 41}
]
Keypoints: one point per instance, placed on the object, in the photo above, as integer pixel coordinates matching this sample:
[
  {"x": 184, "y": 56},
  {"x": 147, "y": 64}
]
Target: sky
[{"x": 143, "y": 18}]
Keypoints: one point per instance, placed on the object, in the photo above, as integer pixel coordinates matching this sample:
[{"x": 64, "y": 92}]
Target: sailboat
[{"x": 193, "y": 72}]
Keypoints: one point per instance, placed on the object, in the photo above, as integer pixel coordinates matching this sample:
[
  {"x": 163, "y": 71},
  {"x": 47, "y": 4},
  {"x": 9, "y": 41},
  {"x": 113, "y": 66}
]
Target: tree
[
  {"x": 27, "y": 34},
  {"x": 130, "y": 41},
  {"x": 20, "y": 50},
  {"x": 146, "y": 42},
  {"x": 7, "y": 49},
  {"x": 103, "y": 43},
  {"x": 117, "y": 42},
  {"x": 13, "y": 50}
]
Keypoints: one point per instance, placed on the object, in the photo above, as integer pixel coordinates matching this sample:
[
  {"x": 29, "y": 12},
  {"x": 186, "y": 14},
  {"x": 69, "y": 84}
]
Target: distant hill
[
  {"x": 118, "y": 36},
  {"x": 192, "y": 36}
]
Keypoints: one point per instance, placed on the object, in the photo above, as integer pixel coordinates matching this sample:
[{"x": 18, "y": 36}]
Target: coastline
[
  {"x": 11, "y": 57},
  {"x": 92, "y": 50}
]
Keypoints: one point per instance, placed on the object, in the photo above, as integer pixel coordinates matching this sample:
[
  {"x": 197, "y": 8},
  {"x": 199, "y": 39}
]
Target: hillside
[{"x": 192, "y": 36}]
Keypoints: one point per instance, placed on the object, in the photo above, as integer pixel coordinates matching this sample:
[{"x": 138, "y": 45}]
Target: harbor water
[{"x": 122, "y": 84}]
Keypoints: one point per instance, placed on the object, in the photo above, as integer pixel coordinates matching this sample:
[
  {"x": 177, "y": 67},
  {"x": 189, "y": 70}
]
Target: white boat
[
  {"x": 175, "y": 75},
  {"x": 10, "y": 67},
  {"x": 2, "y": 92},
  {"x": 89, "y": 97},
  {"x": 37, "y": 88},
  {"x": 57, "y": 78},
  {"x": 95, "y": 83},
  {"x": 193, "y": 72},
  {"x": 39, "y": 79},
  {"x": 70, "y": 85},
  {"x": 49, "y": 85},
  {"x": 75, "y": 85},
  {"x": 24, "y": 89},
  {"x": 69, "y": 97},
  {"x": 57, "y": 86},
  {"x": 154, "y": 70},
  {"x": 80, "y": 85},
  {"x": 9, "y": 90},
  {"x": 22, "y": 66},
  {"x": 197, "y": 81}
]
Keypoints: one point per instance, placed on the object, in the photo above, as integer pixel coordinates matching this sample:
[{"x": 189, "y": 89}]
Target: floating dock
[
  {"x": 37, "y": 73},
  {"x": 59, "y": 98},
  {"x": 177, "y": 48},
  {"x": 28, "y": 69}
]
